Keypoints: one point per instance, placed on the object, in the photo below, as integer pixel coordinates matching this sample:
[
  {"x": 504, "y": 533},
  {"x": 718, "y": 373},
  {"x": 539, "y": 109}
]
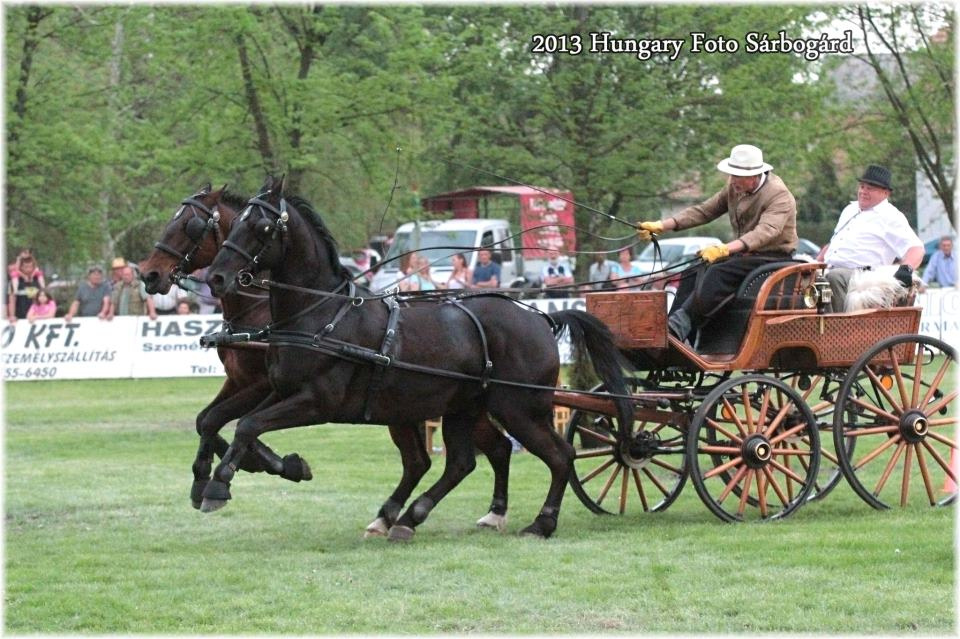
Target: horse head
[
  {"x": 191, "y": 239},
  {"x": 282, "y": 234}
]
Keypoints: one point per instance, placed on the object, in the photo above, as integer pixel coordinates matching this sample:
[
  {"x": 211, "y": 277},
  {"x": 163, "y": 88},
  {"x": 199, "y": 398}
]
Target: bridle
[
  {"x": 271, "y": 229},
  {"x": 196, "y": 230}
]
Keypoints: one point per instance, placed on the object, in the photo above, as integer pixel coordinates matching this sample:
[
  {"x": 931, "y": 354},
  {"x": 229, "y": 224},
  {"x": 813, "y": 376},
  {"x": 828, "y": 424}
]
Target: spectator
[
  {"x": 870, "y": 232},
  {"x": 763, "y": 215},
  {"x": 43, "y": 307},
  {"x": 116, "y": 271},
  {"x": 130, "y": 297},
  {"x": 600, "y": 271},
  {"x": 556, "y": 273},
  {"x": 418, "y": 275},
  {"x": 93, "y": 297},
  {"x": 625, "y": 273},
  {"x": 361, "y": 257},
  {"x": 461, "y": 276},
  {"x": 23, "y": 253},
  {"x": 942, "y": 267},
  {"x": 166, "y": 303},
  {"x": 206, "y": 302},
  {"x": 25, "y": 281},
  {"x": 487, "y": 273},
  {"x": 185, "y": 307}
]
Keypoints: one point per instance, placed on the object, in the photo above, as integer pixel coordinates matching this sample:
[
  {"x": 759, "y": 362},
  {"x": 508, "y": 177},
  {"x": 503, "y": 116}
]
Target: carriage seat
[{"x": 724, "y": 330}]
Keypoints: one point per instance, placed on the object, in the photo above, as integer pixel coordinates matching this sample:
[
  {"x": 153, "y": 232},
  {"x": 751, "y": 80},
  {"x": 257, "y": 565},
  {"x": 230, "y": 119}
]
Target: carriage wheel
[
  {"x": 753, "y": 449},
  {"x": 820, "y": 394},
  {"x": 644, "y": 472},
  {"x": 898, "y": 402}
]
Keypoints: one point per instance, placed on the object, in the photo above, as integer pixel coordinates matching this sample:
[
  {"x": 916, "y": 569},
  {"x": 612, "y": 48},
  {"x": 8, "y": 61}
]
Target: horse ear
[
  {"x": 205, "y": 188},
  {"x": 282, "y": 183}
]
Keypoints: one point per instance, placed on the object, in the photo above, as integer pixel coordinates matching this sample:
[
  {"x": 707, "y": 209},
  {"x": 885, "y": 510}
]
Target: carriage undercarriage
[{"x": 774, "y": 417}]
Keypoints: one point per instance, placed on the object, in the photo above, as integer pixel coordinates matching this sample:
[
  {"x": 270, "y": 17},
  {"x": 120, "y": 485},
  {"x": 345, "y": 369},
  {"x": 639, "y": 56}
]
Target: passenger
[
  {"x": 870, "y": 232},
  {"x": 763, "y": 214}
]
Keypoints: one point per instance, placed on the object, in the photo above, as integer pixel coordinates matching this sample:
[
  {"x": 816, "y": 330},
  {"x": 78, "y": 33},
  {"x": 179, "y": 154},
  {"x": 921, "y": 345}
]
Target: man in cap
[
  {"x": 763, "y": 214},
  {"x": 870, "y": 232}
]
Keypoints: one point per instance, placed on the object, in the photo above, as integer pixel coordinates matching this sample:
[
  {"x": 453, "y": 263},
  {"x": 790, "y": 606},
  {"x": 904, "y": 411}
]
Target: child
[{"x": 43, "y": 307}]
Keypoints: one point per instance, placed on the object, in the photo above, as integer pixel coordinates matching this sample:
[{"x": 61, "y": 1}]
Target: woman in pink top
[{"x": 43, "y": 307}]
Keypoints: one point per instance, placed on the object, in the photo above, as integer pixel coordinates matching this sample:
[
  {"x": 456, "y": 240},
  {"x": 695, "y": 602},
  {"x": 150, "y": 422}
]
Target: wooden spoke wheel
[
  {"x": 820, "y": 394},
  {"x": 642, "y": 472},
  {"x": 899, "y": 403},
  {"x": 753, "y": 449}
]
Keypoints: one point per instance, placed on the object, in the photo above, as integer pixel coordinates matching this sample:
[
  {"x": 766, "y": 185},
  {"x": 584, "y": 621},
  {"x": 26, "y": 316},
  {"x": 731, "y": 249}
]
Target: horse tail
[{"x": 588, "y": 334}]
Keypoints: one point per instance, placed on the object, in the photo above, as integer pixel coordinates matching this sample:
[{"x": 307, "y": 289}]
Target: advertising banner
[
  {"x": 90, "y": 348},
  {"x": 138, "y": 347}
]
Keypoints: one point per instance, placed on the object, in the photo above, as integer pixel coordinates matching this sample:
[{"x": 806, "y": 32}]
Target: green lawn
[{"x": 101, "y": 538}]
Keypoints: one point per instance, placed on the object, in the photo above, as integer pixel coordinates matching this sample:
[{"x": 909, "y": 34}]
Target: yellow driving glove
[
  {"x": 713, "y": 253},
  {"x": 646, "y": 229}
]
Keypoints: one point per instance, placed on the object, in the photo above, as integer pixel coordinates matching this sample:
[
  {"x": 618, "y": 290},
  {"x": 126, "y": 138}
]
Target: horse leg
[
  {"x": 416, "y": 462},
  {"x": 494, "y": 444},
  {"x": 273, "y": 413},
  {"x": 461, "y": 461},
  {"x": 229, "y": 404},
  {"x": 534, "y": 430},
  {"x": 227, "y": 407}
]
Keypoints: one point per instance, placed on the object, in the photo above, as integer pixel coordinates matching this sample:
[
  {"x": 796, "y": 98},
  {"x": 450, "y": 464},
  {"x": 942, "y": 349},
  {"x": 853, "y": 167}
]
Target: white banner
[
  {"x": 90, "y": 348},
  {"x": 138, "y": 347}
]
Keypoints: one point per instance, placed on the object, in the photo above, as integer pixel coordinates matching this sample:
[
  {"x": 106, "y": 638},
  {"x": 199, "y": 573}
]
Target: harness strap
[
  {"x": 487, "y": 363},
  {"x": 386, "y": 349}
]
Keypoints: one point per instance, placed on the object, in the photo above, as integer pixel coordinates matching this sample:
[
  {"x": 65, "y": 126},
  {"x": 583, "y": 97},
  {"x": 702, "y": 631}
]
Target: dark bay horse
[
  {"x": 338, "y": 354},
  {"x": 190, "y": 241}
]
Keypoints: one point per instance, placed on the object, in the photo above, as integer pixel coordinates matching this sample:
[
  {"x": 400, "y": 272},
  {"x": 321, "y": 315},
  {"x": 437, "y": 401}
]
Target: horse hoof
[
  {"x": 296, "y": 469},
  {"x": 377, "y": 528},
  {"x": 210, "y": 505},
  {"x": 493, "y": 521},
  {"x": 400, "y": 533},
  {"x": 196, "y": 491}
]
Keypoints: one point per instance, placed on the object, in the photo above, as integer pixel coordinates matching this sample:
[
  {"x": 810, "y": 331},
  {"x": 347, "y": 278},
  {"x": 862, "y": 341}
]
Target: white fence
[{"x": 138, "y": 347}]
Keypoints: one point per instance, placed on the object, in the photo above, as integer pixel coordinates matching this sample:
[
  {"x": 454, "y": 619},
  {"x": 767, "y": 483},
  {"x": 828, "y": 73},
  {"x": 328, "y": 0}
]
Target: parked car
[
  {"x": 806, "y": 250},
  {"x": 672, "y": 251},
  {"x": 440, "y": 240}
]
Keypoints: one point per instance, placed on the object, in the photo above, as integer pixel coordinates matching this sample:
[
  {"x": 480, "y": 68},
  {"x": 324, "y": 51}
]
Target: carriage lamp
[{"x": 818, "y": 294}]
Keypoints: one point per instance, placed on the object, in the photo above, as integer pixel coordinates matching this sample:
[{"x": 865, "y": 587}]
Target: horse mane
[
  {"x": 234, "y": 201},
  {"x": 310, "y": 215}
]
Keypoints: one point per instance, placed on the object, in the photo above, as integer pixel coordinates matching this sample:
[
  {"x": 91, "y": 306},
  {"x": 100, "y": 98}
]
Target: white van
[{"x": 440, "y": 240}]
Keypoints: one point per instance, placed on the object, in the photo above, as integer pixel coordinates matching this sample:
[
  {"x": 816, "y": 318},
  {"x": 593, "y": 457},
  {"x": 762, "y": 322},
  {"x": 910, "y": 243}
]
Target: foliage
[
  {"x": 100, "y": 539},
  {"x": 116, "y": 112}
]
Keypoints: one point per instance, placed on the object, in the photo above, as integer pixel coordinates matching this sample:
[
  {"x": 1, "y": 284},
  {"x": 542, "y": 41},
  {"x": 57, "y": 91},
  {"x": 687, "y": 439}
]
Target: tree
[{"x": 919, "y": 83}]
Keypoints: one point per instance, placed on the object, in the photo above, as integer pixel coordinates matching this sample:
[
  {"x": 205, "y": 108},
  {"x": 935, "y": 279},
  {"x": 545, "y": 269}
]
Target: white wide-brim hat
[{"x": 744, "y": 160}]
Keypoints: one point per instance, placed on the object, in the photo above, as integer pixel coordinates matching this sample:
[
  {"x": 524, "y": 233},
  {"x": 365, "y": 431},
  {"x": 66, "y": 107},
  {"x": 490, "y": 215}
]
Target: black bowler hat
[{"x": 878, "y": 176}]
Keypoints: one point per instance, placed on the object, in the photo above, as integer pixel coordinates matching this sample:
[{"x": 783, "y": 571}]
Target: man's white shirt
[{"x": 871, "y": 237}]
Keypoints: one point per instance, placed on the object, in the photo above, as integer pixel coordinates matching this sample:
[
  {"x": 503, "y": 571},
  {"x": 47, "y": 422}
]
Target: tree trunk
[{"x": 256, "y": 109}]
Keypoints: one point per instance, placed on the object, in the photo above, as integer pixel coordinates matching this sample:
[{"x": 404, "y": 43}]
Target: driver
[{"x": 763, "y": 214}]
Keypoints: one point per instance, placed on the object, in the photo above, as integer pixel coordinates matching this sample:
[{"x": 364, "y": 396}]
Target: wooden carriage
[{"x": 776, "y": 401}]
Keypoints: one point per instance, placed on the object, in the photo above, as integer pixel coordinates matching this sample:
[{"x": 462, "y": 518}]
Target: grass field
[{"x": 101, "y": 538}]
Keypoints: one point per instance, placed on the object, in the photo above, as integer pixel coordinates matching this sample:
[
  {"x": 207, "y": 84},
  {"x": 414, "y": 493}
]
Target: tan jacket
[{"x": 764, "y": 221}]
